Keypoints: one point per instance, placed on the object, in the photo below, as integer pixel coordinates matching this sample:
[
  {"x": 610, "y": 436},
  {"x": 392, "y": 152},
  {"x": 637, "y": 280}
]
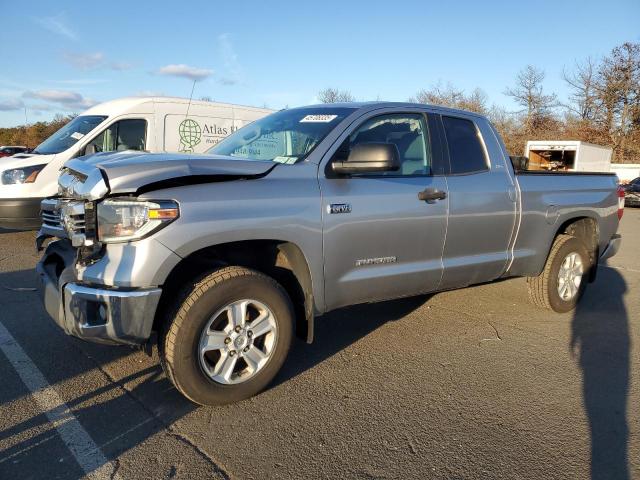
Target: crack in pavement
[
  {"x": 186, "y": 440},
  {"x": 498, "y": 337},
  {"x": 116, "y": 467},
  {"x": 512, "y": 326},
  {"x": 217, "y": 469}
]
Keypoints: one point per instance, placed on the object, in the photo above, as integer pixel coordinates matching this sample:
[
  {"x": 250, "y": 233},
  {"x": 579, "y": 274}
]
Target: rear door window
[{"x": 466, "y": 153}]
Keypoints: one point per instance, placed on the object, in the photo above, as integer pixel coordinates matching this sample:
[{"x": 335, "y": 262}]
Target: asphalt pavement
[{"x": 473, "y": 383}]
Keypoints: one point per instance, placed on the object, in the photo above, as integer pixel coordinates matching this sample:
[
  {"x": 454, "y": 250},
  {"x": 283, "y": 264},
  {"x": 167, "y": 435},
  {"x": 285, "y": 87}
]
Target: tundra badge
[
  {"x": 339, "y": 208},
  {"x": 375, "y": 261}
]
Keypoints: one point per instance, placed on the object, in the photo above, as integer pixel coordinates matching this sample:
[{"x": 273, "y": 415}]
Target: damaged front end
[
  {"x": 100, "y": 313},
  {"x": 73, "y": 214},
  {"x": 102, "y": 269}
]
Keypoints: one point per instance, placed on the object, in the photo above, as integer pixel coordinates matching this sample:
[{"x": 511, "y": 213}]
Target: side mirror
[
  {"x": 369, "y": 158},
  {"x": 90, "y": 149}
]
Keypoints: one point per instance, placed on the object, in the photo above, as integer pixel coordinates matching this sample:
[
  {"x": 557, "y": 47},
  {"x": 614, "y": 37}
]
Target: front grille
[
  {"x": 63, "y": 218},
  {"x": 51, "y": 220}
]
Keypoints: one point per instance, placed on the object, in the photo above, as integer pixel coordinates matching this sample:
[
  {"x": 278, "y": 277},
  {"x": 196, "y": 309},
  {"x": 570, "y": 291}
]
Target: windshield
[
  {"x": 68, "y": 135},
  {"x": 285, "y": 137}
]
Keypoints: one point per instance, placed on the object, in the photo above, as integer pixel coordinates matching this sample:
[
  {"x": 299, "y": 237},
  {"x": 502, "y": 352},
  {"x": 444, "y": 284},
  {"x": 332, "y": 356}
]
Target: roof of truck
[{"x": 378, "y": 104}]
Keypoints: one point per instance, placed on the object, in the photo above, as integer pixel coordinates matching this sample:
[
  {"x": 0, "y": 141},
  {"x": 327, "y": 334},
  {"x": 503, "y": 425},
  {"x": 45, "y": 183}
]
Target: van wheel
[
  {"x": 562, "y": 282},
  {"x": 228, "y": 336}
]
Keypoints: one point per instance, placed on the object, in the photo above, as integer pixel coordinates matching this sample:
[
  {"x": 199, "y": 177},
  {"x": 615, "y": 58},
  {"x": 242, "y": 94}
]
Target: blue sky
[{"x": 60, "y": 57}]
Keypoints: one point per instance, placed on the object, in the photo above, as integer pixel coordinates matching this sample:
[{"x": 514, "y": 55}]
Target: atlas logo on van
[{"x": 190, "y": 134}]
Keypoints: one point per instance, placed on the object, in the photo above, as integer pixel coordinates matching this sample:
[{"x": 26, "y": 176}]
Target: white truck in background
[
  {"x": 150, "y": 124},
  {"x": 626, "y": 172},
  {"x": 567, "y": 155}
]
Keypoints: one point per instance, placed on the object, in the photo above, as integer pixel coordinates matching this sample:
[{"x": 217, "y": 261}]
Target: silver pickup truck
[{"x": 222, "y": 258}]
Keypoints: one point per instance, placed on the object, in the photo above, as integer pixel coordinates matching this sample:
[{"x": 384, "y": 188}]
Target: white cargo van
[
  {"x": 152, "y": 124},
  {"x": 567, "y": 155}
]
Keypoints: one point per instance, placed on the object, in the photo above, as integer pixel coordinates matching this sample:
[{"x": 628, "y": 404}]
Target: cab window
[
  {"x": 128, "y": 134},
  {"x": 466, "y": 153},
  {"x": 408, "y": 132}
]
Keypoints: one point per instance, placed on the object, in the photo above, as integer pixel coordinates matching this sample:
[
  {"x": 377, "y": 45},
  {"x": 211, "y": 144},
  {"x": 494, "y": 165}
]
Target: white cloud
[
  {"x": 58, "y": 24},
  {"x": 84, "y": 61},
  {"x": 119, "y": 66},
  {"x": 93, "y": 61},
  {"x": 233, "y": 69},
  {"x": 11, "y": 105},
  {"x": 185, "y": 71},
  {"x": 67, "y": 99},
  {"x": 82, "y": 81},
  {"x": 40, "y": 107},
  {"x": 58, "y": 96}
]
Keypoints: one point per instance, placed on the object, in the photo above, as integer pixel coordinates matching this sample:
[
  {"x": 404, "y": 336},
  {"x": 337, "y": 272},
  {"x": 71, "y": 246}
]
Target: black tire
[
  {"x": 543, "y": 289},
  {"x": 179, "y": 339}
]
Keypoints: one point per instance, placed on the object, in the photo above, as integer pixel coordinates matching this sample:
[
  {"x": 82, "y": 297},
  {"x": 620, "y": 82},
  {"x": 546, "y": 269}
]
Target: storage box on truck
[{"x": 567, "y": 155}]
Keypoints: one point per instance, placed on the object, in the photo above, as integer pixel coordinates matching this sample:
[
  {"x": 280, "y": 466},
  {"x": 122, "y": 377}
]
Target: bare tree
[
  {"x": 476, "y": 101},
  {"x": 618, "y": 87},
  {"x": 451, "y": 96},
  {"x": 333, "y": 95},
  {"x": 583, "y": 99},
  {"x": 446, "y": 95},
  {"x": 528, "y": 93}
]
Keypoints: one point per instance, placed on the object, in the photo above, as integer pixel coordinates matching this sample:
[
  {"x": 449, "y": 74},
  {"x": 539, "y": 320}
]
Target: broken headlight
[{"x": 125, "y": 219}]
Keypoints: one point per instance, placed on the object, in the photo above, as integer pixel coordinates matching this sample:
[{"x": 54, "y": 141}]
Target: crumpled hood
[{"x": 135, "y": 172}]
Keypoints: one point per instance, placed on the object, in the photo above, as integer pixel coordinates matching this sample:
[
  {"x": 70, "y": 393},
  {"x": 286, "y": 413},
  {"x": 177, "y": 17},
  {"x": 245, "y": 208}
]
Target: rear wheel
[
  {"x": 228, "y": 337},
  {"x": 562, "y": 282}
]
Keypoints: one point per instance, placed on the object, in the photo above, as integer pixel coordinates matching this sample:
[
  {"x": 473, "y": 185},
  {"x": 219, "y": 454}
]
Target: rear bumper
[
  {"x": 102, "y": 315},
  {"x": 612, "y": 248},
  {"x": 20, "y": 213}
]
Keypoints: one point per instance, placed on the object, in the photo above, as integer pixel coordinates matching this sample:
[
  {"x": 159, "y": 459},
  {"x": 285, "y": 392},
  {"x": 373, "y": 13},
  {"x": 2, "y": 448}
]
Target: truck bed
[{"x": 549, "y": 199}]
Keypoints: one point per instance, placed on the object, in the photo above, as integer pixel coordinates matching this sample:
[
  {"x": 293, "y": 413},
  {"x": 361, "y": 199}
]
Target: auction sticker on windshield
[
  {"x": 77, "y": 135},
  {"x": 318, "y": 118},
  {"x": 288, "y": 160}
]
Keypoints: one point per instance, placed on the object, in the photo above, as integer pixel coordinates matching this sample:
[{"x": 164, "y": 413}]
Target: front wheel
[
  {"x": 229, "y": 336},
  {"x": 562, "y": 282}
]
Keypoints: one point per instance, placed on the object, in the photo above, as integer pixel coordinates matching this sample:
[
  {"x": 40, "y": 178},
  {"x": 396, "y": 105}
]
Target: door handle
[{"x": 430, "y": 195}]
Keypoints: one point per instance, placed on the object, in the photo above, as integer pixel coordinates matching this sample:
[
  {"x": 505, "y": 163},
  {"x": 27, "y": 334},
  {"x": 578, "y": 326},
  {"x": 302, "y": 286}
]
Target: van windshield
[
  {"x": 68, "y": 135},
  {"x": 287, "y": 136}
]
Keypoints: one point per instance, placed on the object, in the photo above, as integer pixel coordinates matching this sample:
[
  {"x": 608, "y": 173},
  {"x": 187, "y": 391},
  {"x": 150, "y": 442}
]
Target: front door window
[{"x": 123, "y": 135}]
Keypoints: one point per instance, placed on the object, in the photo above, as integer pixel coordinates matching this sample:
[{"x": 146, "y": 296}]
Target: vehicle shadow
[
  {"x": 117, "y": 405},
  {"x": 29, "y": 442},
  {"x": 337, "y": 330},
  {"x": 600, "y": 339}
]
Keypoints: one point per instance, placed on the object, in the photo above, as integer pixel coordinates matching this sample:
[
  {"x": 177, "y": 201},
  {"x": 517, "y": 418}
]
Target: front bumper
[
  {"x": 20, "y": 213},
  {"x": 98, "y": 314}
]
